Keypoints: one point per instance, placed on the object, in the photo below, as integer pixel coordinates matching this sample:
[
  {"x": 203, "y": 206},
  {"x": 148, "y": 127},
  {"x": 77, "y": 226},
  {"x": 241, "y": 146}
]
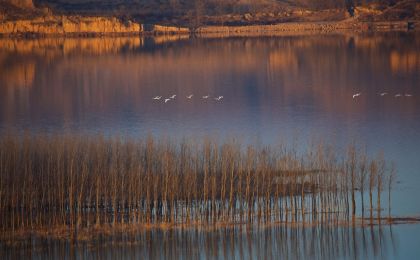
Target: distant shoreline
[
  {"x": 310, "y": 27},
  {"x": 110, "y": 26}
]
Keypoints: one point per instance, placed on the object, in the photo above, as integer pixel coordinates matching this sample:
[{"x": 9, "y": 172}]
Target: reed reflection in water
[{"x": 273, "y": 242}]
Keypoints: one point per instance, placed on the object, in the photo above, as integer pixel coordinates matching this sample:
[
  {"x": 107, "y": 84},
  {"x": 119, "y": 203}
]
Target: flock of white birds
[
  {"x": 355, "y": 95},
  {"x": 166, "y": 100}
]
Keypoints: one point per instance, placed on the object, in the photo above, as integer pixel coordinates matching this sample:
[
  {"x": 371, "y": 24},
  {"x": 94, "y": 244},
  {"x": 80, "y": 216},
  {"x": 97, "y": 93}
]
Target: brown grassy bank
[{"x": 93, "y": 183}]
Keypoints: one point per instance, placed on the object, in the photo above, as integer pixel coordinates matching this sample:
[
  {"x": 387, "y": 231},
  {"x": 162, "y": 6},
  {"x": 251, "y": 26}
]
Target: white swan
[
  {"x": 167, "y": 100},
  {"x": 408, "y": 95},
  {"x": 218, "y": 98},
  {"x": 383, "y": 94},
  {"x": 157, "y": 97},
  {"x": 357, "y": 94},
  {"x": 205, "y": 97},
  {"x": 398, "y": 95},
  {"x": 190, "y": 96},
  {"x": 173, "y": 96}
]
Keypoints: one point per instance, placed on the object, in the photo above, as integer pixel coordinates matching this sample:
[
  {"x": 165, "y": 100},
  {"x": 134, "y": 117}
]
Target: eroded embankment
[
  {"x": 82, "y": 26},
  {"x": 69, "y": 25}
]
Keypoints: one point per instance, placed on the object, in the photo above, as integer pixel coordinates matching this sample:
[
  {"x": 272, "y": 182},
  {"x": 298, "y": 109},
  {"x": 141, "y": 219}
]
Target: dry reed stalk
[{"x": 76, "y": 181}]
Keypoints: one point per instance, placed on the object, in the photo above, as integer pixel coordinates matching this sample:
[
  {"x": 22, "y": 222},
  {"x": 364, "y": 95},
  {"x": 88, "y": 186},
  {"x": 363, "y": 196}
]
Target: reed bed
[{"x": 81, "y": 182}]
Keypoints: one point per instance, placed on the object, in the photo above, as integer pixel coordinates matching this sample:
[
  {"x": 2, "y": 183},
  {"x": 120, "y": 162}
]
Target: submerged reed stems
[{"x": 81, "y": 182}]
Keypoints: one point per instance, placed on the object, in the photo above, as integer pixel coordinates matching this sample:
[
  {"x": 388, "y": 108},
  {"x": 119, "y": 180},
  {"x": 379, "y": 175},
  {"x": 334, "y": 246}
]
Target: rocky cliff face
[
  {"x": 70, "y": 25},
  {"x": 23, "y": 17}
]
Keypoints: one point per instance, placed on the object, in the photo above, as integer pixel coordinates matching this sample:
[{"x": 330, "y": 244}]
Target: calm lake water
[
  {"x": 274, "y": 89},
  {"x": 259, "y": 243}
]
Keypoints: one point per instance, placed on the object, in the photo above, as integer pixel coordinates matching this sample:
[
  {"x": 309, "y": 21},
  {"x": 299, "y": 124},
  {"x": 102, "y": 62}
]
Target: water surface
[
  {"x": 385, "y": 242},
  {"x": 274, "y": 88}
]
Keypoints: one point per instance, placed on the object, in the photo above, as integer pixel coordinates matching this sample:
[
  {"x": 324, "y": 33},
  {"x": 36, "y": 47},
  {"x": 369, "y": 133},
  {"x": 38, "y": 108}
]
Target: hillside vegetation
[{"x": 195, "y": 13}]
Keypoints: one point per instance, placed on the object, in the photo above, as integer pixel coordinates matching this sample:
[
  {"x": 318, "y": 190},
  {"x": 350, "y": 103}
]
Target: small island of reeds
[{"x": 67, "y": 185}]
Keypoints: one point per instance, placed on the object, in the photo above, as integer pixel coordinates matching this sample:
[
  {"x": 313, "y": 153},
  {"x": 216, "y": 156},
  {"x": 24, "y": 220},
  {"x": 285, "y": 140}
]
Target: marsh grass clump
[{"x": 79, "y": 182}]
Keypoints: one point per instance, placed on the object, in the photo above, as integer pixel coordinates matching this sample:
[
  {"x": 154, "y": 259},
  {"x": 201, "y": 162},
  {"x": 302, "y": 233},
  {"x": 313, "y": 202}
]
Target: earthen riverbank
[{"x": 99, "y": 26}]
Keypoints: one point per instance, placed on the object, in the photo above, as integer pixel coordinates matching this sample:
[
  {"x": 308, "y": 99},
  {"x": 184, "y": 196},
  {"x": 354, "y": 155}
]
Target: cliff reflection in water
[
  {"x": 318, "y": 242},
  {"x": 68, "y": 83}
]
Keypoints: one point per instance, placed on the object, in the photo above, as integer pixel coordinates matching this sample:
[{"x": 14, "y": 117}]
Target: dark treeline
[{"x": 76, "y": 182}]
